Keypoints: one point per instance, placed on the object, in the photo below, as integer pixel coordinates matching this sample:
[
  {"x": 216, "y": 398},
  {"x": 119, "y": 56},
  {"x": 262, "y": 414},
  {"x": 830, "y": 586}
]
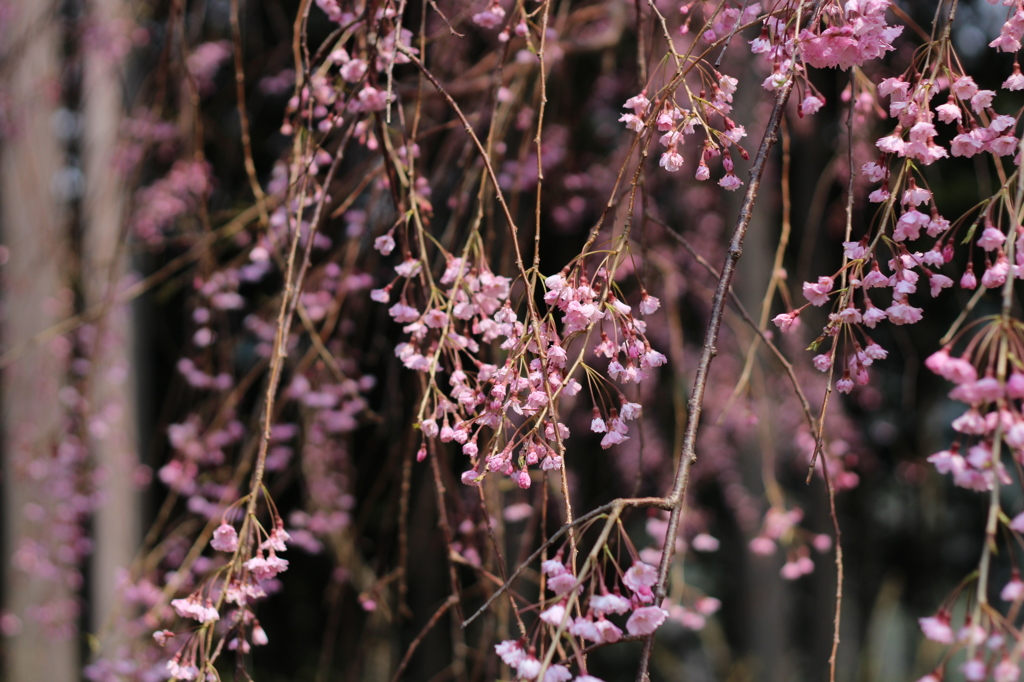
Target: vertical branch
[
  {"x": 243, "y": 115},
  {"x": 709, "y": 350}
]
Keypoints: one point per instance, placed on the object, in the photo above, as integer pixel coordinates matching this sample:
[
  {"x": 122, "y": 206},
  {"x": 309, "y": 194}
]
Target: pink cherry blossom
[
  {"x": 646, "y": 620},
  {"x": 817, "y": 293},
  {"x": 225, "y": 538},
  {"x": 936, "y": 628},
  {"x": 385, "y": 244}
]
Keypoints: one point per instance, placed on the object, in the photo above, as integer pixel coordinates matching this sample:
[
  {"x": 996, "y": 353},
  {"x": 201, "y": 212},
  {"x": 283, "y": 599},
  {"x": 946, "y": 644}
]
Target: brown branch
[
  {"x": 688, "y": 455},
  {"x": 243, "y": 116},
  {"x": 741, "y": 309},
  {"x": 450, "y": 602}
]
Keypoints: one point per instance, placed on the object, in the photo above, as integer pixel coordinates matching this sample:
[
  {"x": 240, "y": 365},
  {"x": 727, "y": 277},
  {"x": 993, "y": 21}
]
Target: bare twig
[{"x": 450, "y": 602}]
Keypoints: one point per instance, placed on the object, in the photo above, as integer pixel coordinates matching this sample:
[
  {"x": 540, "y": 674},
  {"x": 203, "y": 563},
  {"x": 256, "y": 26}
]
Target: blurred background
[{"x": 138, "y": 308}]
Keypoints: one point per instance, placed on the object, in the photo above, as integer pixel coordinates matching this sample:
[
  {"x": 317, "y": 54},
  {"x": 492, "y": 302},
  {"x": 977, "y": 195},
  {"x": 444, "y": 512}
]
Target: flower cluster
[{"x": 594, "y": 625}]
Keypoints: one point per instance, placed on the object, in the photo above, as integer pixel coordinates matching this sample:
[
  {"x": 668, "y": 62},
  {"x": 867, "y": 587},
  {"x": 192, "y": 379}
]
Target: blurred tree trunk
[
  {"x": 33, "y": 226},
  {"x": 112, "y": 394}
]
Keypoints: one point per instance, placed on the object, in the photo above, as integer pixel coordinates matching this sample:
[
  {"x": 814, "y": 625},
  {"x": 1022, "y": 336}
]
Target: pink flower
[
  {"x": 510, "y": 652},
  {"x": 608, "y": 631},
  {"x": 353, "y": 70},
  {"x": 822, "y": 362},
  {"x": 585, "y": 629},
  {"x": 1015, "y": 81},
  {"x": 646, "y": 620},
  {"x": 162, "y": 636},
  {"x": 891, "y": 144},
  {"x": 879, "y": 195},
  {"x": 939, "y": 282},
  {"x": 855, "y": 250},
  {"x": 492, "y": 17},
  {"x": 612, "y": 438},
  {"x": 991, "y": 239},
  {"x": 609, "y": 603},
  {"x": 385, "y": 244},
  {"x": 191, "y": 607},
  {"x": 982, "y": 100},
  {"x": 873, "y": 172},
  {"x": 404, "y": 313},
  {"x": 1003, "y": 146},
  {"x": 557, "y": 673},
  {"x": 848, "y": 315},
  {"x": 957, "y": 370},
  {"x": 811, "y": 105},
  {"x": 964, "y": 87},
  {"x": 901, "y": 313},
  {"x": 640, "y": 575},
  {"x": 916, "y": 195},
  {"x": 648, "y": 304},
  {"x": 528, "y": 668},
  {"x": 553, "y": 615},
  {"x": 653, "y": 358},
  {"x": 435, "y": 319},
  {"x": 630, "y": 411},
  {"x": 638, "y": 103},
  {"x": 1013, "y": 590},
  {"x": 995, "y": 276},
  {"x": 671, "y": 160},
  {"x": 936, "y": 628},
  {"x": 974, "y": 670},
  {"x": 264, "y": 569},
  {"x": 937, "y": 226},
  {"x": 372, "y": 99},
  {"x": 730, "y": 182},
  {"x": 817, "y": 293},
  {"x": 409, "y": 268},
  {"x": 633, "y": 122},
  {"x": 970, "y": 422},
  {"x": 552, "y": 567},
  {"x": 562, "y": 584},
  {"x": 1007, "y": 670},
  {"x": 966, "y": 144},
  {"x": 225, "y": 538},
  {"x": 762, "y": 546},
  {"x": 909, "y": 225},
  {"x": 949, "y": 112},
  {"x": 181, "y": 672},
  {"x": 1015, "y": 386},
  {"x": 705, "y": 543},
  {"x": 873, "y": 316},
  {"x": 786, "y": 321}
]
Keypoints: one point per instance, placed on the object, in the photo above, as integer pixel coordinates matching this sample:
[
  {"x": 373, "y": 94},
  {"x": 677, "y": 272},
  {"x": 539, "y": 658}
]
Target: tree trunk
[{"x": 34, "y": 221}]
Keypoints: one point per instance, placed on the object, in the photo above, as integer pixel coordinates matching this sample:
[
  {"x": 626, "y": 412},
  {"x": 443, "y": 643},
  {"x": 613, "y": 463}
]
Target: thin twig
[
  {"x": 655, "y": 502},
  {"x": 243, "y": 116},
  {"x": 450, "y": 602},
  {"x": 97, "y": 311}
]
